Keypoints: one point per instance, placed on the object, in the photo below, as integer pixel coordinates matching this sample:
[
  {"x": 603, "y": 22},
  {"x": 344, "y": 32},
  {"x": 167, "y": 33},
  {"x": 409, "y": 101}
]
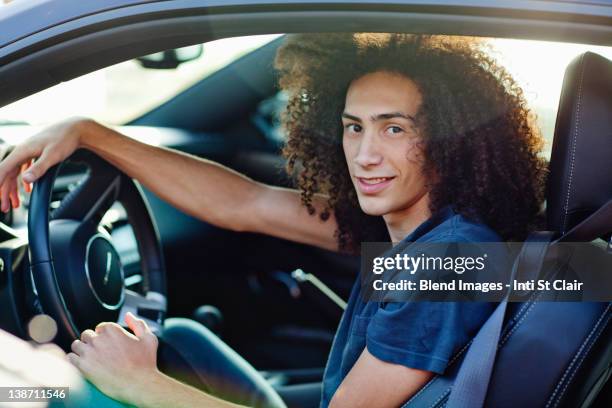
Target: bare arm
[
  {"x": 210, "y": 191},
  {"x": 166, "y": 392},
  {"x": 375, "y": 383},
  {"x": 199, "y": 187}
]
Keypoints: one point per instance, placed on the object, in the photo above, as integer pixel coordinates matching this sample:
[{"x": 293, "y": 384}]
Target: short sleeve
[{"x": 424, "y": 335}]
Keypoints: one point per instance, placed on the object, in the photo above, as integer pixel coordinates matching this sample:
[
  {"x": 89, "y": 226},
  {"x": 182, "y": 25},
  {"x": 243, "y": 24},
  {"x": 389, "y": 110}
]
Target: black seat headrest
[{"x": 580, "y": 179}]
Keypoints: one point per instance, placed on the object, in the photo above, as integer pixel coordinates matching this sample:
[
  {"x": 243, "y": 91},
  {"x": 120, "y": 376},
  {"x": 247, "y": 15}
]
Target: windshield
[{"x": 120, "y": 93}]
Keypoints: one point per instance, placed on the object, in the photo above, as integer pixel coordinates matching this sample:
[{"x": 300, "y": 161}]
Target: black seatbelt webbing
[{"x": 595, "y": 226}]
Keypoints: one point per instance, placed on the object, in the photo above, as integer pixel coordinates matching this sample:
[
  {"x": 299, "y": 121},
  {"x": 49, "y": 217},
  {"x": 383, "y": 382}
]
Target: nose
[{"x": 368, "y": 153}]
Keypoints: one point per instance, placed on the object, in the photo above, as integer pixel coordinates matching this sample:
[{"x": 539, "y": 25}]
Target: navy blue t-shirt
[{"x": 420, "y": 335}]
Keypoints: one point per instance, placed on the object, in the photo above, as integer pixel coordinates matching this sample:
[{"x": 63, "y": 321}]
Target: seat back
[
  {"x": 558, "y": 354},
  {"x": 580, "y": 179}
]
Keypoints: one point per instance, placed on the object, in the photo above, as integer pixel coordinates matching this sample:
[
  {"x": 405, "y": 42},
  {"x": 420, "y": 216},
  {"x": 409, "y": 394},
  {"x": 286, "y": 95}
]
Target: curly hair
[{"x": 480, "y": 140}]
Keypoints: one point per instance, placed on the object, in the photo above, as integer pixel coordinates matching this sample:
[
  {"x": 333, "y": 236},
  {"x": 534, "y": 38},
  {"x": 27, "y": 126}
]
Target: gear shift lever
[{"x": 302, "y": 277}]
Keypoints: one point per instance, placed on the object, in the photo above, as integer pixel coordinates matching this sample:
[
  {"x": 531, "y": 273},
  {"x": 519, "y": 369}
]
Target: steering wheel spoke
[
  {"x": 94, "y": 195},
  {"x": 150, "y": 307}
]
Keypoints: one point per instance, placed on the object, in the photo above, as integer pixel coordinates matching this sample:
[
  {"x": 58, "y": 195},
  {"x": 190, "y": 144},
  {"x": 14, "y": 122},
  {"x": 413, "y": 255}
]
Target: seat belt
[
  {"x": 472, "y": 382},
  {"x": 470, "y": 387},
  {"x": 596, "y": 225}
]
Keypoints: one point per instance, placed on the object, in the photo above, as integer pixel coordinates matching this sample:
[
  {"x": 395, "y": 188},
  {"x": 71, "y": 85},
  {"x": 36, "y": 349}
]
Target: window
[
  {"x": 538, "y": 67},
  {"x": 120, "y": 93}
]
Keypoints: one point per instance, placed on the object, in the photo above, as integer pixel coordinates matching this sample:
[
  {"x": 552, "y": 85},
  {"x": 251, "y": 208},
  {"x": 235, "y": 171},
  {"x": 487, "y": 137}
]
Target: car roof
[{"x": 23, "y": 18}]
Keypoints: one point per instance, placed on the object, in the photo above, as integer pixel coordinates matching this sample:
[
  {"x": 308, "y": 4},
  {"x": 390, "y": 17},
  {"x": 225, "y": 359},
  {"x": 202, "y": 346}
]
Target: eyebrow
[{"x": 381, "y": 116}]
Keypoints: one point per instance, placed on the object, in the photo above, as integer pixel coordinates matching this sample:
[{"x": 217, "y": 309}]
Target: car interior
[
  {"x": 259, "y": 302},
  {"x": 282, "y": 326}
]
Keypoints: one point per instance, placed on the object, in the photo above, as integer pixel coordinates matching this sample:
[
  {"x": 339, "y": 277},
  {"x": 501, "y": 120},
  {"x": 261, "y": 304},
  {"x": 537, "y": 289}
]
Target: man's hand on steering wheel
[
  {"x": 51, "y": 146},
  {"x": 111, "y": 357},
  {"x": 77, "y": 272}
]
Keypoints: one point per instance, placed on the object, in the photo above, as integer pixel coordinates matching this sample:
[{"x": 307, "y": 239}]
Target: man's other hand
[{"x": 119, "y": 363}]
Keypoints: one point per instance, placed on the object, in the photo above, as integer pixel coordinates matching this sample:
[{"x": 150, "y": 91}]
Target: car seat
[{"x": 551, "y": 354}]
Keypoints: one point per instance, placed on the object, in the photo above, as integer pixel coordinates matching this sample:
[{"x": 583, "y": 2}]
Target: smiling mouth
[
  {"x": 372, "y": 181},
  {"x": 373, "y": 185}
]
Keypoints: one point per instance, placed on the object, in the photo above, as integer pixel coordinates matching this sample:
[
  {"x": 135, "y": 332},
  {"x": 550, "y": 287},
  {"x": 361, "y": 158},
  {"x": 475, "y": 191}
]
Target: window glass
[
  {"x": 122, "y": 92},
  {"x": 538, "y": 67}
]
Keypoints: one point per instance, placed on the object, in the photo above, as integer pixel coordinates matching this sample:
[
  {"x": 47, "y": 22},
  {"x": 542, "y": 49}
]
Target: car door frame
[{"x": 69, "y": 45}]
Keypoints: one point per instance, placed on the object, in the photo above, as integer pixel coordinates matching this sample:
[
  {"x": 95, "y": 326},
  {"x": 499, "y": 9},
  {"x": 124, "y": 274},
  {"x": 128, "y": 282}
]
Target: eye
[
  {"x": 353, "y": 127},
  {"x": 394, "y": 130}
]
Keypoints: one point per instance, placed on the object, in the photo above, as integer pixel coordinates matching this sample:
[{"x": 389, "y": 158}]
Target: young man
[{"x": 396, "y": 137}]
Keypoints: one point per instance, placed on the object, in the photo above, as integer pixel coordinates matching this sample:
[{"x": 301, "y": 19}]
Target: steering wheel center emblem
[
  {"x": 109, "y": 259},
  {"x": 104, "y": 272}
]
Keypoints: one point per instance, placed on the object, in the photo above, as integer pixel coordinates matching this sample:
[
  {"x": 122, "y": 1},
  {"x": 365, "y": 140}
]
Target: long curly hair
[{"x": 480, "y": 140}]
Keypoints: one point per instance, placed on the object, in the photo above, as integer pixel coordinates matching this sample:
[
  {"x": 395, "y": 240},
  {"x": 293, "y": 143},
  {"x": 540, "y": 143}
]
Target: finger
[
  {"x": 74, "y": 359},
  {"x": 6, "y": 190},
  {"x": 87, "y": 336},
  {"x": 26, "y": 165},
  {"x": 79, "y": 362},
  {"x": 4, "y": 198},
  {"x": 107, "y": 327},
  {"x": 12, "y": 162},
  {"x": 39, "y": 167},
  {"x": 27, "y": 187},
  {"x": 138, "y": 326},
  {"x": 78, "y": 347},
  {"x": 13, "y": 193}
]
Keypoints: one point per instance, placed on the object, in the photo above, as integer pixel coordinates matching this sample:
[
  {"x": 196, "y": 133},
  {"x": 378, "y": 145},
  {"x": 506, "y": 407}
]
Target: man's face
[{"x": 381, "y": 143}]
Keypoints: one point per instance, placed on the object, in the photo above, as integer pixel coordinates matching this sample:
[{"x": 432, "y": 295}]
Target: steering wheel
[{"x": 76, "y": 270}]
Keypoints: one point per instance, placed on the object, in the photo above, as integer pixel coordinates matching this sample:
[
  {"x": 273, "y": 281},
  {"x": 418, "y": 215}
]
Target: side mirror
[{"x": 170, "y": 59}]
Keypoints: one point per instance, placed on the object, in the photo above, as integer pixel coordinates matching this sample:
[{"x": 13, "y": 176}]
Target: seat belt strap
[
  {"x": 598, "y": 224},
  {"x": 469, "y": 389}
]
